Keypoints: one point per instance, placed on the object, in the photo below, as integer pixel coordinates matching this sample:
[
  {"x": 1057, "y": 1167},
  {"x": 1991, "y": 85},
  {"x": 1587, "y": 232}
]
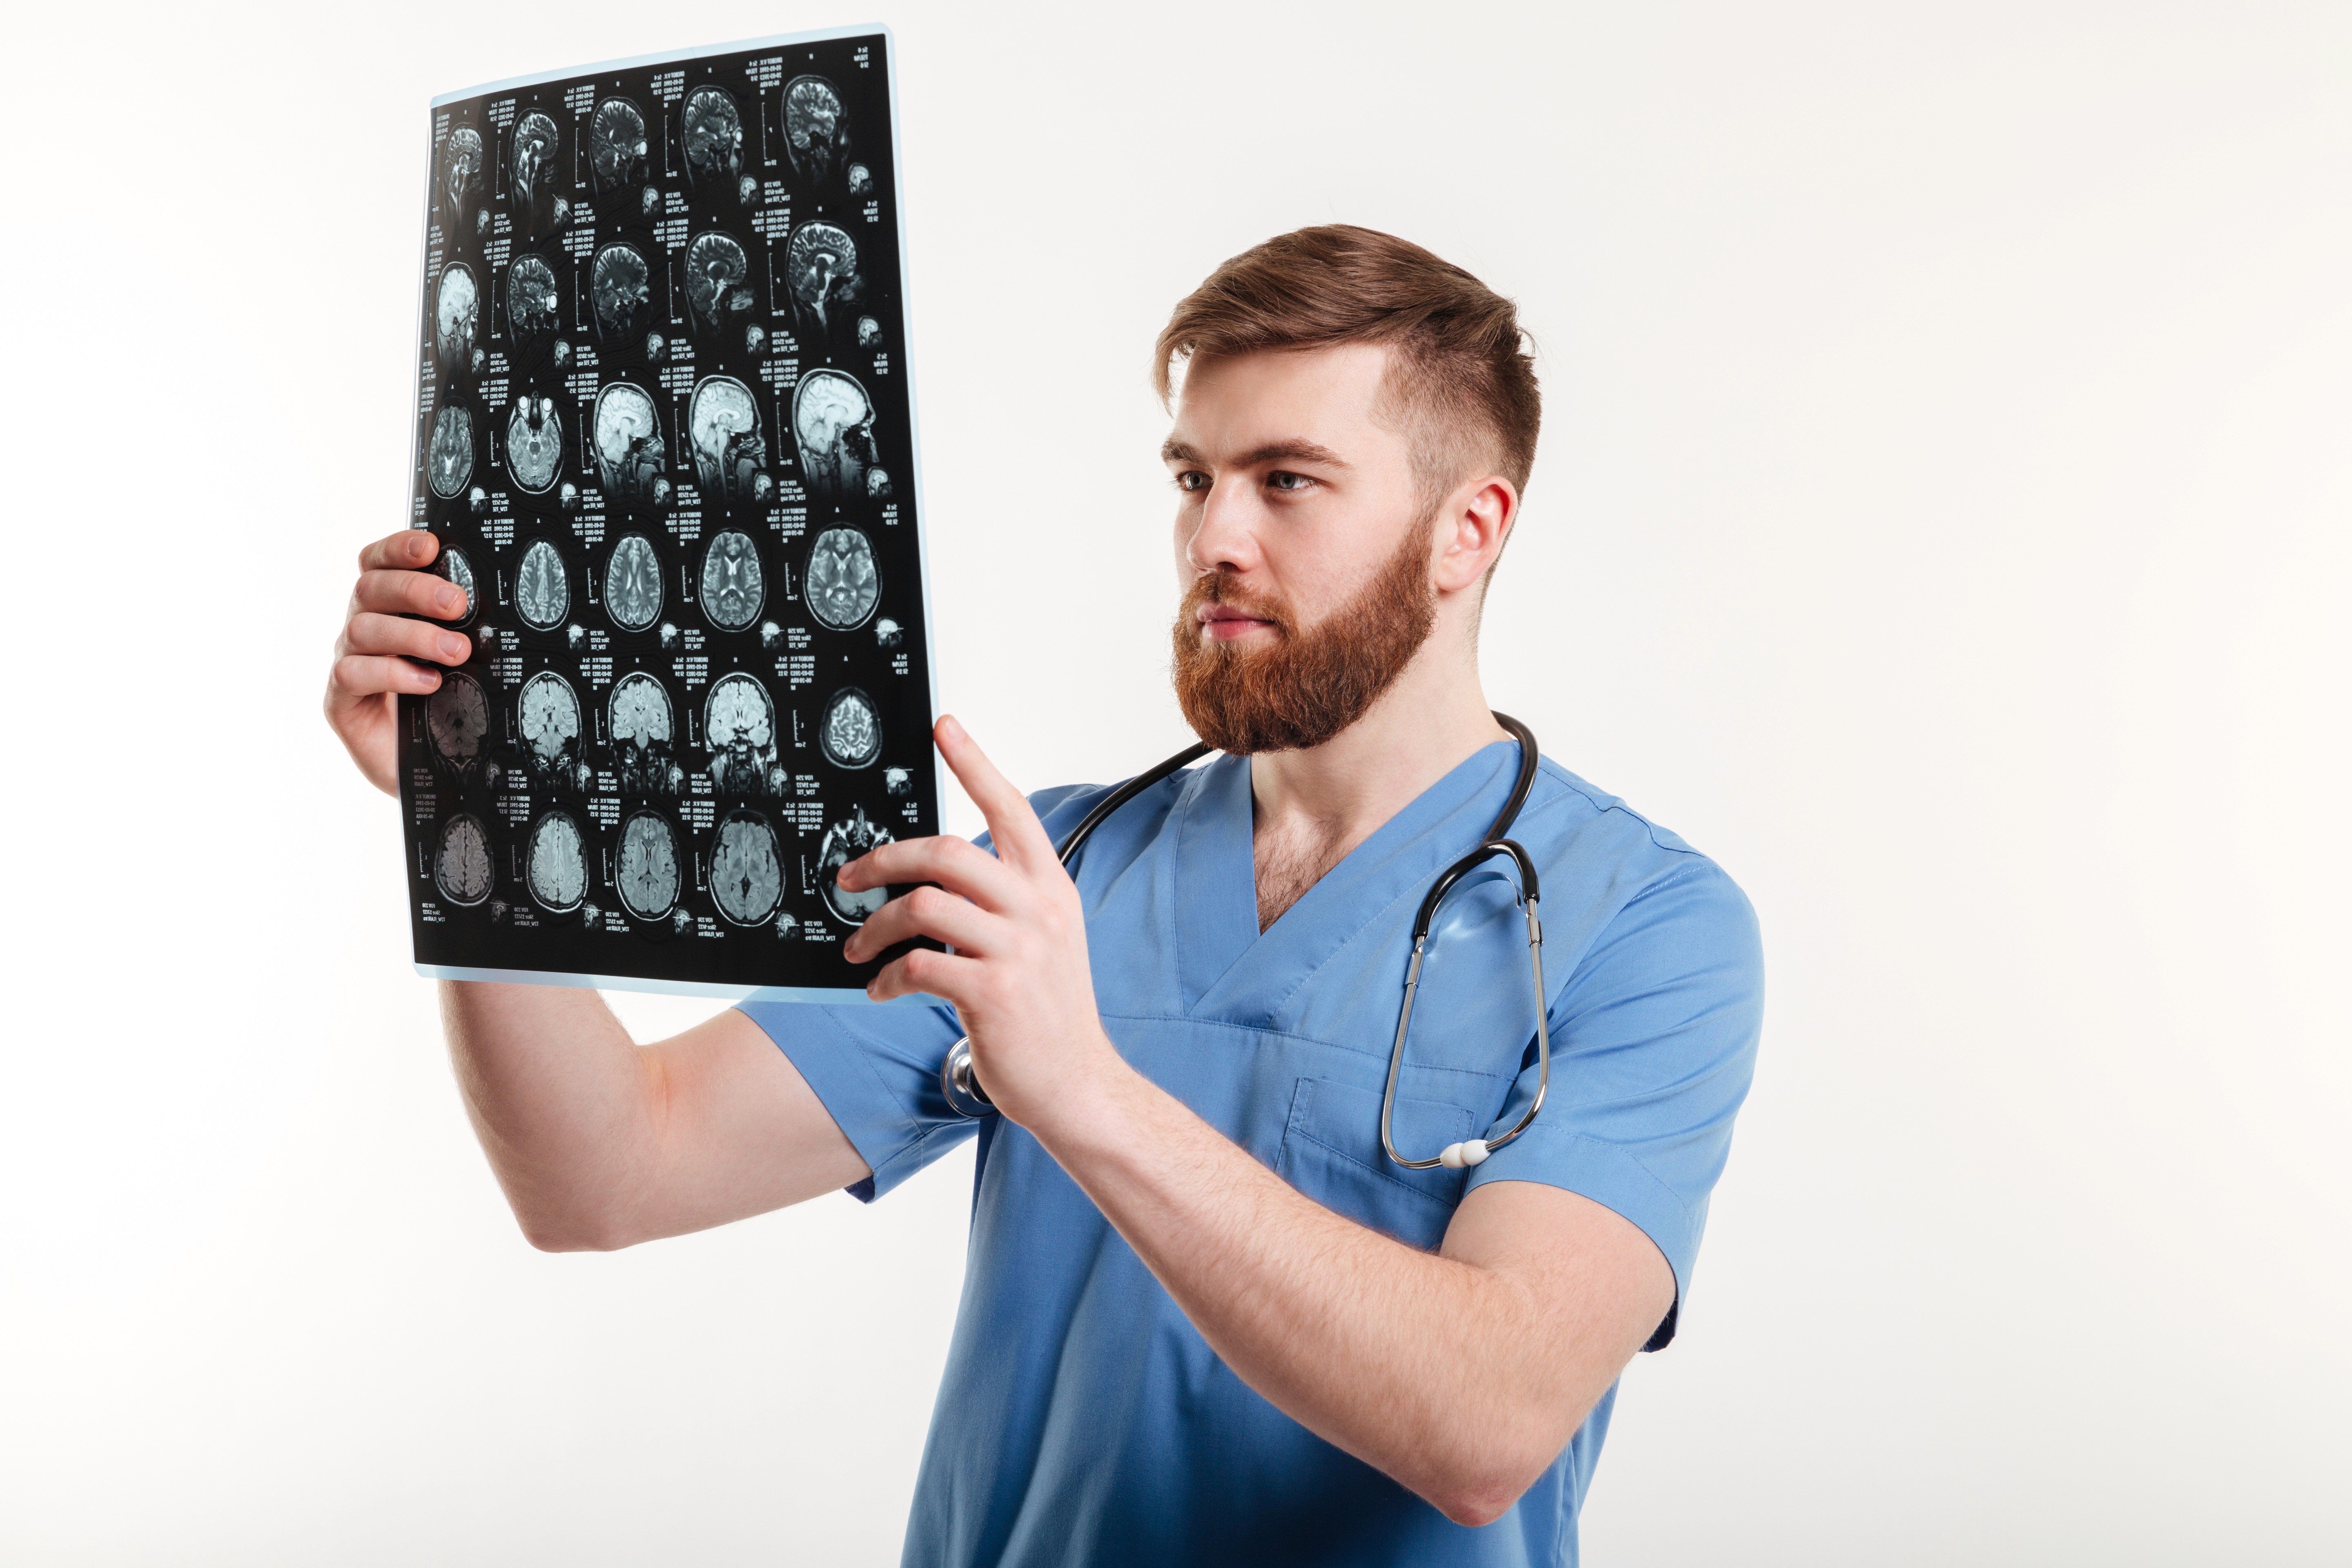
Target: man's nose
[{"x": 1226, "y": 538}]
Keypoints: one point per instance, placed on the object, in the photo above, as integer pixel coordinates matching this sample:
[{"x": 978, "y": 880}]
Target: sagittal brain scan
[
  {"x": 628, "y": 443},
  {"x": 461, "y": 860},
  {"x": 648, "y": 872},
  {"x": 747, "y": 870},
  {"x": 843, "y": 583},
  {"x": 739, "y": 724},
  {"x": 733, "y": 587},
  {"x": 620, "y": 286},
  {"x": 712, "y": 128},
  {"x": 633, "y": 583},
  {"x": 722, "y": 424},
  {"x": 816, "y": 130},
  {"x": 449, "y": 456},
  {"x": 534, "y": 443},
  {"x": 833, "y": 420},
  {"x": 851, "y": 731},
  {"x": 843, "y": 842},
  {"x": 663, "y": 440},
  {"x": 555, "y": 863},
  {"x": 542, "y": 588}
]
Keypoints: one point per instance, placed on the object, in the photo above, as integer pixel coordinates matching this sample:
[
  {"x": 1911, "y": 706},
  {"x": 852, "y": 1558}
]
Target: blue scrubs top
[{"x": 1082, "y": 1418}]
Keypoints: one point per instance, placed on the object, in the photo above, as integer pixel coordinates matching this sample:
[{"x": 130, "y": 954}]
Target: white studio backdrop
[{"x": 1941, "y": 521}]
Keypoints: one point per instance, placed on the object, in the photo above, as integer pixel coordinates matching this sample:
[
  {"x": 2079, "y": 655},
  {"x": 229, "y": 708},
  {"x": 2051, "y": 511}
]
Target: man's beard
[{"x": 1308, "y": 685}]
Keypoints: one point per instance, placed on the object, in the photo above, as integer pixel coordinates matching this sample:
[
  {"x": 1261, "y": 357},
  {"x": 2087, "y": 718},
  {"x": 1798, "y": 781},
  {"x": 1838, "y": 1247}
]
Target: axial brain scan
[
  {"x": 616, "y": 144},
  {"x": 449, "y": 457},
  {"x": 738, "y": 723},
  {"x": 543, "y": 592},
  {"x": 733, "y": 587},
  {"x": 454, "y": 567},
  {"x": 845, "y": 842},
  {"x": 747, "y": 873},
  {"x": 722, "y": 424},
  {"x": 531, "y": 300},
  {"x": 851, "y": 734},
  {"x": 461, "y": 861},
  {"x": 640, "y": 720},
  {"x": 555, "y": 863},
  {"x": 834, "y": 420},
  {"x": 649, "y": 868},
  {"x": 816, "y": 133},
  {"x": 534, "y": 443},
  {"x": 621, "y": 287},
  {"x": 633, "y": 583},
  {"x": 714, "y": 136},
  {"x": 456, "y": 317},
  {"x": 461, "y": 171},
  {"x": 821, "y": 265},
  {"x": 715, "y": 274},
  {"x": 551, "y": 726},
  {"x": 628, "y": 443},
  {"x": 842, "y": 581},
  {"x": 536, "y": 143},
  {"x": 457, "y": 718}
]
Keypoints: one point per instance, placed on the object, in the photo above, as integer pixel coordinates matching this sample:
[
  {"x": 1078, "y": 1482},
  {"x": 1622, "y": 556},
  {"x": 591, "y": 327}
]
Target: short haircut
[{"x": 1462, "y": 382}]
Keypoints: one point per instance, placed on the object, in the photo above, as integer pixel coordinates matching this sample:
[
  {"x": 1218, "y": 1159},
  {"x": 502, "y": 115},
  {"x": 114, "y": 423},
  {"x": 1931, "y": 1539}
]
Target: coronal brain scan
[
  {"x": 713, "y": 129},
  {"x": 542, "y": 589},
  {"x": 747, "y": 871},
  {"x": 536, "y": 143},
  {"x": 534, "y": 443},
  {"x": 845, "y": 842},
  {"x": 461, "y": 171},
  {"x": 816, "y": 131},
  {"x": 628, "y": 443},
  {"x": 722, "y": 425},
  {"x": 733, "y": 587},
  {"x": 620, "y": 286},
  {"x": 841, "y": 583},
  {"x": 616, "y": 144},
  {"x": 640, "y": 720},
  {"x": 716, "y": 270},
  {"x": 456, "y": 316},
  {"x": 738, "y": 723},
  {"x": 647, "y": 872},
  {"x": 461, "y": 860},
  {"x": 851, "y": 731},
  {"x": 833, "y": 420},
  {"x": 455, "y": 567},
  {"x": 457, "y": 718},
  {"x": 531, "y": 300},
  {"x": 555, "y": 863},
  {"x": 549, "y": 712},
  {"x": 449, "y": 456},
  {"x": 633, "y": 583},
  {"x": 821, "y": 268}
]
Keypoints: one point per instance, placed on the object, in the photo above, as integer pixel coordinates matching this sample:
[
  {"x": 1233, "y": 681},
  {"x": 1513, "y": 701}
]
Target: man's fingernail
[
  {"x": 420, "y": 545},
  {"x": 453, "y": 647},
  {"x": 949, "y": 729},
  {"x": 451, "y": 599}
]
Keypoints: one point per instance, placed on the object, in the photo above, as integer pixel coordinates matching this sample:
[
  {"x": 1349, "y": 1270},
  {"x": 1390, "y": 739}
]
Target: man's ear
[{"x": 1477, "y": 519}]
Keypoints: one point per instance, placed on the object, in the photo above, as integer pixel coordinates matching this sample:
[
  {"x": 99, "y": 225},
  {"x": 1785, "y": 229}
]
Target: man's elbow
[
  {"x": 1478, "y": 1502},
  {"x": 1484, "y": 1485},
  {"x": 572, "y": 1232}
]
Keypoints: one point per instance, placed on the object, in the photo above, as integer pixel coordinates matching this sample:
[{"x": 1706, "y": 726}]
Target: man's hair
[{"x": 1462, "y": 383}]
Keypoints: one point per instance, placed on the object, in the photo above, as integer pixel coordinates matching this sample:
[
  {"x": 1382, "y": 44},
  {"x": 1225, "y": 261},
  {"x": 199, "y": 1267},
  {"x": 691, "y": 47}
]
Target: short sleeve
[
  {"x": 1654, "y": 1044},
  {"x": 876, "y": 1068}
]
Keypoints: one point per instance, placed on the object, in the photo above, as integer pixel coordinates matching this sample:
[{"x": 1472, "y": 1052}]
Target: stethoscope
[{"x": 965, "y": 1096}]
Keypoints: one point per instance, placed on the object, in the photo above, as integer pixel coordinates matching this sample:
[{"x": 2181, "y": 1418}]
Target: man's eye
[
  {"x": 1281, "y": 480},
  {"x": 1192, "y": 480}
]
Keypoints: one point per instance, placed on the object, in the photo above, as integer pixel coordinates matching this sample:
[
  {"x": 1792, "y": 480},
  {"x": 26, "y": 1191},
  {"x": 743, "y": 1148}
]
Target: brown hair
[{"x": 1461, "y": 384}]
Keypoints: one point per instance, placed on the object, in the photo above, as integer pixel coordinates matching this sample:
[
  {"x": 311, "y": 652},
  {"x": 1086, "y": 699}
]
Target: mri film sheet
[{"x": 664, "y": 435}]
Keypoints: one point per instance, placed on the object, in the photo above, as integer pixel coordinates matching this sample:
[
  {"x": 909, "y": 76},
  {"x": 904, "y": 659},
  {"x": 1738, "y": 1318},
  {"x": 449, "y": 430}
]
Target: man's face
[{"x": 1302, "y": 544}]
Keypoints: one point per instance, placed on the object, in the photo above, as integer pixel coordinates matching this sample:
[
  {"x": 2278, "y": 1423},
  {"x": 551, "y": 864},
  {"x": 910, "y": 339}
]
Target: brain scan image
[
  {"x": 747, "y": 870},
  {"x": 555, "y": 863},
  {"x": 733, "y": 586},
  {"x": 461, "y": 172},
  {"x": 454, "y": 567},
  {"x": 542, "y": 589},
  {"x": 878, "y": 484},
  {"x": 898, "y": 780},
  {"x": 887, "y": 632},
  {"x": 816, "y": 131},
  {"x": 861, "y": 179},
  {"x": 842, "y": 585},
  {"x": 449, "y": 456},
  {"x": 461, "y": 861},
  {"x": 456, "y": 720},
  {"x": 648, "y": 868},
  {"x": 457, "y": 318},
  {"x": 714, "y": 136},
  {"x": 550, "y": 727},
  {"x": 738, "y": 723},
  {"x": 628, "y": 443},
  {"x": 536, "y": 144},
  {"x": 722, "y": 425},
  {"x": 534, "y": 443},
  {"x": 639, "y": 715},
  {"x": 620, "y": 286},
  {"x": 845, "y": 842},
  {"x": 633, "y": 583},
  {"x": 716, "y": 271},
  {"x": 616, "y": 145},
  {"x": 531, "y": 302},
  {"x": 833, "y": 420},
  {"x": 869, "y": 332},
  {"x": 821, "y": 268},
  {"x": 851, "y": 731}
]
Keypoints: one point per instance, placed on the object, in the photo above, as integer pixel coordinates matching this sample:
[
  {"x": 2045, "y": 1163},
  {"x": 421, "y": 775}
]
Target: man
[{"x": 1206, "y": 1319}]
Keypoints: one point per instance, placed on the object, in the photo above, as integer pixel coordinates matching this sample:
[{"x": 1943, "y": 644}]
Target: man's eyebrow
[
  {"x": 1295, "y": 450},
  {"x": 1172, "y": 450}
]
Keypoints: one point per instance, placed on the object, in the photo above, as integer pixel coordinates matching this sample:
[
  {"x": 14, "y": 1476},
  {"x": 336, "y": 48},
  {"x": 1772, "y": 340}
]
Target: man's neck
[{"x": 1312, "y": 807}]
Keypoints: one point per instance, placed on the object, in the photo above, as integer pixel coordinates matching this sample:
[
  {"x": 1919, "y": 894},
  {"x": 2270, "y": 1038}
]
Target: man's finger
[
  {"x": 368, "y": 632},
  {"x": 943, "y": 975},
  {"x": 407, "y": 551},
  {"x": 955, "y": 865},
  {"x": 933, "y": 912},
  {"x": 409, "y": 593},
  {"x": 356, "y": 677},
  {"x": 1012, "y": 825}
]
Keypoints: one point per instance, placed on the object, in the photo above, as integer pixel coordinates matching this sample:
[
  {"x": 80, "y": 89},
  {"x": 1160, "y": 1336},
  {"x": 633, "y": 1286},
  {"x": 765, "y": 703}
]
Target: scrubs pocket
[{"x": 1331, "y": 1152}]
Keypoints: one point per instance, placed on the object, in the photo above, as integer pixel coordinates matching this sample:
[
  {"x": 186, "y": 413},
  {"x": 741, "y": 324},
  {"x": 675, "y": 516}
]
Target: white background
[{"x": 1941, "y": 521}]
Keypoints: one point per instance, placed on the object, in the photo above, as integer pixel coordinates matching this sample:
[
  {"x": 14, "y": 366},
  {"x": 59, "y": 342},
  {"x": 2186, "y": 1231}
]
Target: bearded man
[{"x": 1207, "y": 1317}]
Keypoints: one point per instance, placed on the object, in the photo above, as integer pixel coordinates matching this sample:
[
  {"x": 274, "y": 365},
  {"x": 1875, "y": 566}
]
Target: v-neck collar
[{"x": 1224, "y": 965}]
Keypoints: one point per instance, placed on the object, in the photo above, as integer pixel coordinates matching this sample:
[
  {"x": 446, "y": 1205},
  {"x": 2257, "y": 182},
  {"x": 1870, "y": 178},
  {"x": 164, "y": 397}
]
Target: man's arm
[{"x": 1461, "y": 1373}]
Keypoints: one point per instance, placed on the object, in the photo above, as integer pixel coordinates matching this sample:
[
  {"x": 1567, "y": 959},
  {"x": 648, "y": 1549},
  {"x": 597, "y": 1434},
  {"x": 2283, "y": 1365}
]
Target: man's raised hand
[{"x": 379, "y": 653}]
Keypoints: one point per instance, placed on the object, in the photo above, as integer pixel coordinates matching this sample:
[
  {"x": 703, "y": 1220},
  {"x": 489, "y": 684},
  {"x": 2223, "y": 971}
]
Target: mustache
[{"x": 1220, "y": 588}]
